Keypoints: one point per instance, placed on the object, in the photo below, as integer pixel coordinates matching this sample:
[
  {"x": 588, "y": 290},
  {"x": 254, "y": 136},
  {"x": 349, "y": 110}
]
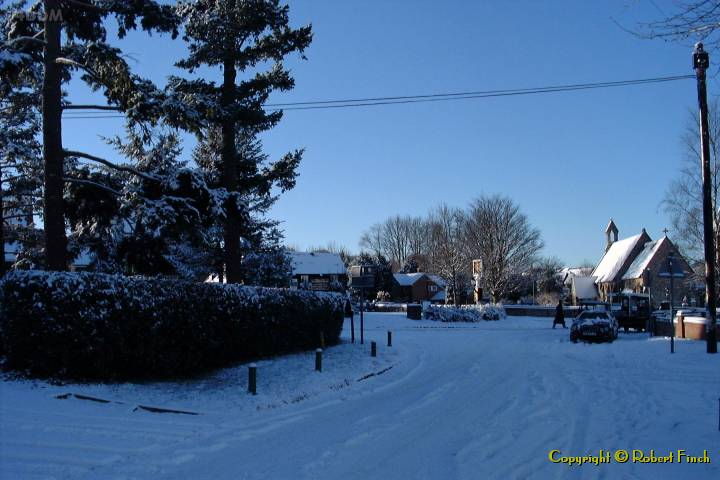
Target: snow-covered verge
[
  {"x": 463, "y": 400},
  {"x": 463, "y": 313}
]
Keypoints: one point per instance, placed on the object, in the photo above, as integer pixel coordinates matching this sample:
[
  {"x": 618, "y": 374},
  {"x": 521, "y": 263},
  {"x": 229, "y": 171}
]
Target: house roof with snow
[
  {"x": 437, "y": 279},
  {"x": 642, "y": 261},
  {"x": 316, "y": 263},
  {"x": 438, "y": 297},
  {"x": 584, "y": 288},
  {"x": 616, "y": 257},
  {"x": 407, "y": 279}
]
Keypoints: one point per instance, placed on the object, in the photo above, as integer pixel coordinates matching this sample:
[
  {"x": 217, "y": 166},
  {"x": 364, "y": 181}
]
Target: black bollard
[
  {"x": 389, "y": 338},
  {"x": 252, "y": 379},
  {"x": 352, "y": 328},
  {"x": 373, "y": 349},
  {"x": 318, "y": 360}
]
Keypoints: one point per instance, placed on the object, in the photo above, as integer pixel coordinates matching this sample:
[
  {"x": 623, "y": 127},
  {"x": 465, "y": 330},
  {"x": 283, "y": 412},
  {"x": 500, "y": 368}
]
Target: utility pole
[{"x": 701, "y": 61}]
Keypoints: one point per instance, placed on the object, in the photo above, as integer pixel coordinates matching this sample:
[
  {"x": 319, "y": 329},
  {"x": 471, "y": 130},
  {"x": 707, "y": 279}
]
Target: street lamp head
[{"x": 701, "y": 59}]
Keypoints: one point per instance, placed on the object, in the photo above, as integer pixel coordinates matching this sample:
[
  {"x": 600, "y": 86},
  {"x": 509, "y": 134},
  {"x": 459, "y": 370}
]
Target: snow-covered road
[{"x": 461, "y": 401}]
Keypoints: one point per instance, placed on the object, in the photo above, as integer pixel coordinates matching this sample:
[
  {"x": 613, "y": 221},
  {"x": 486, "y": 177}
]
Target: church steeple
[{"x": 611, "y": 233}]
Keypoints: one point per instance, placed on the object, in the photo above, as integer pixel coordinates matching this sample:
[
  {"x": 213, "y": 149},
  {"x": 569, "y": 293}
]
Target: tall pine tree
[{"x": 240, "y": 37}]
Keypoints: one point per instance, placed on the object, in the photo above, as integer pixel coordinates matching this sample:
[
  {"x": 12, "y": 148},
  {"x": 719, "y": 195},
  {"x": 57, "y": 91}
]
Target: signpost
[
  {"x": 362, "y": 277},
  {"x": 672, "y": 272}
]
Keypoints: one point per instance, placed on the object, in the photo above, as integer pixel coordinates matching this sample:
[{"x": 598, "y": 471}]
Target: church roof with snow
[
  {"x": 614, "y": 259},
  {"x": 641, "y": 262}
]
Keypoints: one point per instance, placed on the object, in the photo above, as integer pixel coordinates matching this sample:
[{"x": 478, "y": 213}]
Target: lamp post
[
  {"x": 651, "y": 326},
  {"x": 671, "y": 269},
  {"x": 701, "y": 61}
]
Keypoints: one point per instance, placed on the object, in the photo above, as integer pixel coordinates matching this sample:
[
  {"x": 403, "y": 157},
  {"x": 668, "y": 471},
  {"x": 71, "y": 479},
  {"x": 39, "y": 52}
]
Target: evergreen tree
[
  {"x": 256, "y": 184},
  {"x": 150, "y": 218},
  {"x": 19, "y": 149},
  {"x": 69, "y": 36},
  {"x": 239, "y": 36}
]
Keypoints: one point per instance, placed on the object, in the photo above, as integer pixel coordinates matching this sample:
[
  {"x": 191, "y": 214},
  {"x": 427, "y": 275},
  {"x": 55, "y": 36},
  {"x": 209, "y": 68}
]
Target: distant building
[
  {"x": 318, "y": 271},
  {"x": 578, "y": 284},
  {"x": 418, "y": 287},
  {"x": 634, "y": 264},
  {"x": 583, "y": 289}
]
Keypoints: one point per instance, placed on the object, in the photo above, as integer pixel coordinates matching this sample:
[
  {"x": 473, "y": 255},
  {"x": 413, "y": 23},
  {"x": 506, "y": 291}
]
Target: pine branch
[
  {"x": 13, "y": 207},
  {"x": 91, "y": 107},
  {"x": 87, "y": 6},
  {"x": 24, "y": 215},
  {"x": 109, "y": 164},
  {"x": 73, "y": 63},
  {"x": 94, "y": 184},
  {"x": 12, "y": 41}
]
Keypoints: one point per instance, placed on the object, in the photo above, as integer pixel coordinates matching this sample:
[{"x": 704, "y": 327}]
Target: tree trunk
[
  {"x": 2, "y": 230},
  {"x": 53, "y": 214},
  {"x": 231, "y": 235}
]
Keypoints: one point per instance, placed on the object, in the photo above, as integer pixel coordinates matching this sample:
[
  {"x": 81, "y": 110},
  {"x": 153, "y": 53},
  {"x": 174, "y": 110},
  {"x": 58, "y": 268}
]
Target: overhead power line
[
  {"x": 78, "y": 114},
  {"x": 485, "y": 93}
]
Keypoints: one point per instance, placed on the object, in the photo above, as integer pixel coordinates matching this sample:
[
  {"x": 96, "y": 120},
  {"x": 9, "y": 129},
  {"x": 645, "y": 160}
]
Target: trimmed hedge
[
  {"x": 98, "y": 326},
  {"x": 463, "y": 313}
]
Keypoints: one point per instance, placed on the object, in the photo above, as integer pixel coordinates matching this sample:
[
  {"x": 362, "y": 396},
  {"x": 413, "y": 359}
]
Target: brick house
[{"x": 418, "y": 287}]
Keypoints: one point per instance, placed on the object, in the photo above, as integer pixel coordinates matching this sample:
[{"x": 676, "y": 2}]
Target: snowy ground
[{"x": 486, "y": 400}]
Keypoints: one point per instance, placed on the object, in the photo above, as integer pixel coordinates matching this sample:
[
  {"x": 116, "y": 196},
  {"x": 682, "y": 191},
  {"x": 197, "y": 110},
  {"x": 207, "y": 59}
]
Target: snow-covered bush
[
  {"x": 93, "y": 325},
  {"x": 463, "y": 313}
]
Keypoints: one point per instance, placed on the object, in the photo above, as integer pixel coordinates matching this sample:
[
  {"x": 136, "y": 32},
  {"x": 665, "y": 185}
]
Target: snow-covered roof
[
  {"x": 407, "y": 279},
  {"x": 317, "y": 263},
  {"x": 614, "y": 258},
  {"x": 438, "y": 297},
  {"x": 437, "y": 280},
  {"x": 584, "y": 288},
  {"x": 641, "y": 262}
]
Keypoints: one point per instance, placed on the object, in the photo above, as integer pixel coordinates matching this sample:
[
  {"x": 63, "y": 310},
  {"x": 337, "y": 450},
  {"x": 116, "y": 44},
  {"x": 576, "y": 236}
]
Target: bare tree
[
  {"x": 372, "y": 240},
  {"x": 496, "y": 231},
  {"x": 397, "y": 238},
  {"x": 683, "y": 198},
  {"x": 447, "y": 253},
  {"x": 696, "y": 20}
]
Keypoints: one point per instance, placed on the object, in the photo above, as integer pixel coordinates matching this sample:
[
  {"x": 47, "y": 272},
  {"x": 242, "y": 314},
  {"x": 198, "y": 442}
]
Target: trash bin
[{"x": 414, "y": 311}]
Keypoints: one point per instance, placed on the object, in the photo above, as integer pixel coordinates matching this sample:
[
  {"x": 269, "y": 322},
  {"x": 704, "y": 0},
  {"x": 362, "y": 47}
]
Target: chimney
[{"x": 611, "y": 233}]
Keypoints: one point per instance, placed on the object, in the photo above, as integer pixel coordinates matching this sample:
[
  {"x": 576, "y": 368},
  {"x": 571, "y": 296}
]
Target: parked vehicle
[
  {"x": 594, "y": 326},
  {"x": 632, "y": 310}
]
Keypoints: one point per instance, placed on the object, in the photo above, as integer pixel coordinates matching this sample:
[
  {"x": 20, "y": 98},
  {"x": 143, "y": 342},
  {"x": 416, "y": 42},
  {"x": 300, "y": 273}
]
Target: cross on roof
[{"x": 665, "y": 231}]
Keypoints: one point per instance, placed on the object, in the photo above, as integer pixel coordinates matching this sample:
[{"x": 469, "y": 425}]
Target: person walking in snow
[{"x": 559, "y": 315}]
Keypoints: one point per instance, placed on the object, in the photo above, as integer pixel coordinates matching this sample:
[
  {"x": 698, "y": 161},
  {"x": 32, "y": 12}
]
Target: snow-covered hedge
[
  {"x": 91, "y": 325},
  {"x": 463, "y": 313}
]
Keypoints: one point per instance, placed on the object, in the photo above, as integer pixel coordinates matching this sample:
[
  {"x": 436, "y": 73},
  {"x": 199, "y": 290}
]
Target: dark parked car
[{"x": 594, "y": 326}]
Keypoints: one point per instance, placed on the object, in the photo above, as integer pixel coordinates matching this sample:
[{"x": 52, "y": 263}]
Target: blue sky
[{"x": 570, "y": 160}]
